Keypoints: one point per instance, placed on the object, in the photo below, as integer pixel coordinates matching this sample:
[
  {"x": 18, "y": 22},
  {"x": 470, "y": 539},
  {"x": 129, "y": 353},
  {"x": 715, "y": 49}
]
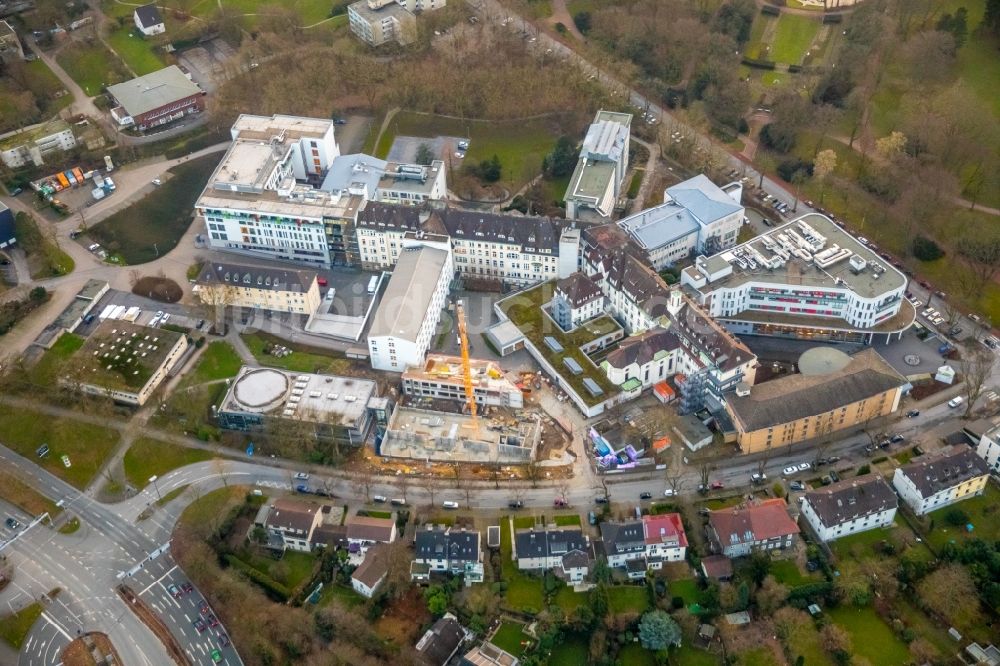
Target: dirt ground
[
  {"x": 78, "y": 652},
  {"x": 404, "y": 619},
  {"x": 160, "y": 289}
]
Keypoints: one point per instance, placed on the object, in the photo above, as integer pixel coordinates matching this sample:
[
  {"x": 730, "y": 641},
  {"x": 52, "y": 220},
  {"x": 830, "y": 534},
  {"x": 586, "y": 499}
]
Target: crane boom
[{"x": 463, "y": 336}]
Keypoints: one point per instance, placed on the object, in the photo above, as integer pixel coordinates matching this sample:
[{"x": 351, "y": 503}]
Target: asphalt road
[{"x": 86, "y": 567}]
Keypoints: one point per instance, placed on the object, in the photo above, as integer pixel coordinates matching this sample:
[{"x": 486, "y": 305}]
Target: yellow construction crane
[{"x": 470, "y": 391}]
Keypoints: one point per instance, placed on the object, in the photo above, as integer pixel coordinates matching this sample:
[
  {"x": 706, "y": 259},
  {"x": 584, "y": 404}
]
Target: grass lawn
[
  {"x": 755, "y": 44},
  {"x": 628, "y": 598},
  {"x": 299, "y": 567},
  {"x": 573, "y": 651},
  {"x": 14, "y": 628},
  {"x": 218, "y": 361},
  {"x": 572, "y": 520},
  {"x": 45, "y": 257},
  {"x": 523, "y": 591},
  {"x": 153, "y": 225},
  {"x": 687, "y": 589},
  {"x": 569, "y": 600},
  {"x": 147, "y": 457},
  {"x": 344, "y": 595},
  {"x": 983, "y": 512},
  {"x": 870, "y": 636},
  {"x": 92, "y": 66},
  {"x": 379, "y": 514},
  {"x": 137, "y": 52},
  {"x": 793, "y": 37},
  {"x": 867, "y": 541},
  {"x": 788, "y": 573},
  {"x": 688, "y": 655},
  {"x": 510, "y": 636},
  {"x": 24, "y": 496},
  {"x": 804, "y": 641},
  {"x": 524, "y": 522},
  {"x": 520, "y": 144},
  {"x": 207, "y": 508},
  {"x": 299, "y": 360},
  {"x": 635, "y": 183},
  {"x": 87, "y": 446},
  {"x": 45, "y": 370},
  {"x": 70, "y": 526},
  {"x": 634, "y": 654},
  {"x": 721, "y": 503}
]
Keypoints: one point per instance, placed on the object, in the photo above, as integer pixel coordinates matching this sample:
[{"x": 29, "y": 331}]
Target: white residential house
[
  {"x": 934, "y": 482},
  {"x": 639, "y": 545},
  {"x": 411, "y": 306},
  {"x": 989, "y": 449},
  {"x": 577, "y": 299},
  {"x": 850, "y": 506},
  {"x": 643, "y": 360},
  {"x": 370, "y": 574},
  {"x": 444, "y": 549},
  {"x": 148, "y": 20}
]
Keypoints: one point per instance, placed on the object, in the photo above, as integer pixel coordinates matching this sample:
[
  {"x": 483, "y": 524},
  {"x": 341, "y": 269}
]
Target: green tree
[
  {"x": 658, "y": 631},
  {"x": 562, "y": 160},
  {"x": 425, "y": 154},
  {"x": 956, "y": 24},
  {"x": 991, "y": 18},
  {"x": 743, "y": 596},
  {"x": 490, "y": 170},
  {"x": 437, "y": 600},
  {"x": 582, "y": 21}
]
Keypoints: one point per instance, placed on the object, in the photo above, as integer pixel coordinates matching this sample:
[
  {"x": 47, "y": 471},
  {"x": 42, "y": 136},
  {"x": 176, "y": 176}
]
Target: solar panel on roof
[{"x": 553, "y": 344}]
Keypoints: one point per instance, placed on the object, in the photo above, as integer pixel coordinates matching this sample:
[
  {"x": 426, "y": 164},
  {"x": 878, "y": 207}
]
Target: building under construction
[
  {"x": 448, "y": 437},
  {"x": 442, "y": 377}
]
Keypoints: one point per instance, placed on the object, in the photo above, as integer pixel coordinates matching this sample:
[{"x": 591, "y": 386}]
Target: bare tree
[
  {"x": 403, "y": 483},
  {"x": 429, "y": 483},
  {"x": 534, "y": 472},
  {"x": 976, "y": 367},
  {"x": 363, "y": 479},
  {"x": 762, "y": 463},
  {"x": 704, "y": 472},
  {"x": 824, "y": 442}
]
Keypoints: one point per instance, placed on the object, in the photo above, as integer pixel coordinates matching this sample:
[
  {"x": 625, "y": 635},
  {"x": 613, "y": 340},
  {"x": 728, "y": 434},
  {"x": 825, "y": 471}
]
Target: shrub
[
  {"x": 956, "y": 517},
  {"x": 582, "y": 20},
  {"x": 744, "y": 126},
  {"x": 864, "y": 469},
  {"x": 677, "y": 603},
  {"x": 925, "y": 249},
  {"x": 788, "y": 168},
  {"x": 560, "y": 28},
  {"x": 773, "y": 137}
]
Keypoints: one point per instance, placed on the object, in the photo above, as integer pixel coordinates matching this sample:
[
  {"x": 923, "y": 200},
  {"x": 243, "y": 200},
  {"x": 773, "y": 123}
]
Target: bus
[{"x": 373, "y": 284}]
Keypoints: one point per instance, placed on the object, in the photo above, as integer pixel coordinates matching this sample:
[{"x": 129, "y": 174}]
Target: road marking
[
  {"x": 56, "y": 625},
  {"x": 158, "y": 580}
]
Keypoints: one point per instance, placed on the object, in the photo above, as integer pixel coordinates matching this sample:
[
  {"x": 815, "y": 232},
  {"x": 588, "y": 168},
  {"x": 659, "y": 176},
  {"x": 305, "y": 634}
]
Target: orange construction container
[
  {"x": 78, "y": 172},
  {"x": 63, "y": 180}
]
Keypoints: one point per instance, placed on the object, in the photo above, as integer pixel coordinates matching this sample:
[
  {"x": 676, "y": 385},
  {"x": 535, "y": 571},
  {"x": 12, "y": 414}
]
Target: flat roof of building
[
  {"x": 120, "y": 355},
  {"x": 312, "y": 204},
  {"x": 92, "y": 289},
  {"x": 354, "y": 170},
  {"x": 410, "y": 293},
  {"x": 869, "y": 282},
  {"x": 253, "y": 126},
  {"x": 440, "y": 368},
  {"x": 390, "y": 9},
  {"x": 659, "y": 225},
  {"x": 328, "y": 399},
  {"x": 154, "y": 90},
  {"x": 41, "y": 131},
  {"x": 590, "y": 180}
]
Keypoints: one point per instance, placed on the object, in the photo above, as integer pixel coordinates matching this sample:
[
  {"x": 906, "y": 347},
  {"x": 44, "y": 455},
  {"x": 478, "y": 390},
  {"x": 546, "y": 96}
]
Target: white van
[
  {"x": 956, "y": 401},
  {"x": 450, "y": 505}
]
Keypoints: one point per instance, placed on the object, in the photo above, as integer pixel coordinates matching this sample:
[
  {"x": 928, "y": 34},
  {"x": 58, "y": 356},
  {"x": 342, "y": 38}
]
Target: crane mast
[{"x": 463, "y": 336}]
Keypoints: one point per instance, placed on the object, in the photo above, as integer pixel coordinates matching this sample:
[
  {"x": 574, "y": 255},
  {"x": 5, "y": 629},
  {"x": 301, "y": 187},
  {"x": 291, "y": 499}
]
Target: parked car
[
  {"x": 302, "y": 488},
  {"x": 956, "y": 401},
  {"x": 559, "y": 501},
  {"x": 515, "y": 504},
  {"x": 717, "y": 485},
  {"x": 791, "y": 469},
  {"x": 804, "y": 467},
  {"x": 592, "y": 518},
  {"x": 398, "y": 501},
  {"x": 216, "y": 657},
  {"x": 302, "y": 476},
  {"x": 833, "y": 459},
  {"x": 669, "y": 492},
  {"x": 758, "y": 478},
  {"x": 834, "y": 476},
  {"x": 187, "y": 588},
  {"x": 224, "y": 640},
  {"x": 213, "y": 621},
  {"x": 448, "y": 504},
  {"x": 913, "y": 413},
  {"x": 600, "y": 500},
  {"x": 12, "y": 523},
  {"x": 796, "y": 485},
  {"x": 645, "y": 495},
  {"x": 204, "y": 609},
  {"x": 381, "y": 499},
  {"x": 199, "y": 625},
  {"x": 897, "y": 438},
  {"x": 822, "y": 461}
]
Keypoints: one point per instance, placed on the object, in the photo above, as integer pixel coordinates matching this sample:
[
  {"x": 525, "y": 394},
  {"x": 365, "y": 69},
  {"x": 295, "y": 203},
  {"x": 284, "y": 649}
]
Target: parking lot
[
  {"x": 179, "y": 315},
  {"x": 404, "y": 148}
]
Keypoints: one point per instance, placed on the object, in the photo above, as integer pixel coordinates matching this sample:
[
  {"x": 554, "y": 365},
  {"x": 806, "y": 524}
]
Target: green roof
[{"x": 121, "y": 356}]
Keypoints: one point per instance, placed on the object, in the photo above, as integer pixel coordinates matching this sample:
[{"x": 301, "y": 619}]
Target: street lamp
[{"x": 152, "y": 480}]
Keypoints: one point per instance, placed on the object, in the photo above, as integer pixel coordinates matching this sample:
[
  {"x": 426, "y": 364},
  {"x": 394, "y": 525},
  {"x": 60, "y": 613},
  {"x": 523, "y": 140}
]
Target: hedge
[
  {"x": 273, "y": 588},
  {"x": 758, "y": 64}
]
